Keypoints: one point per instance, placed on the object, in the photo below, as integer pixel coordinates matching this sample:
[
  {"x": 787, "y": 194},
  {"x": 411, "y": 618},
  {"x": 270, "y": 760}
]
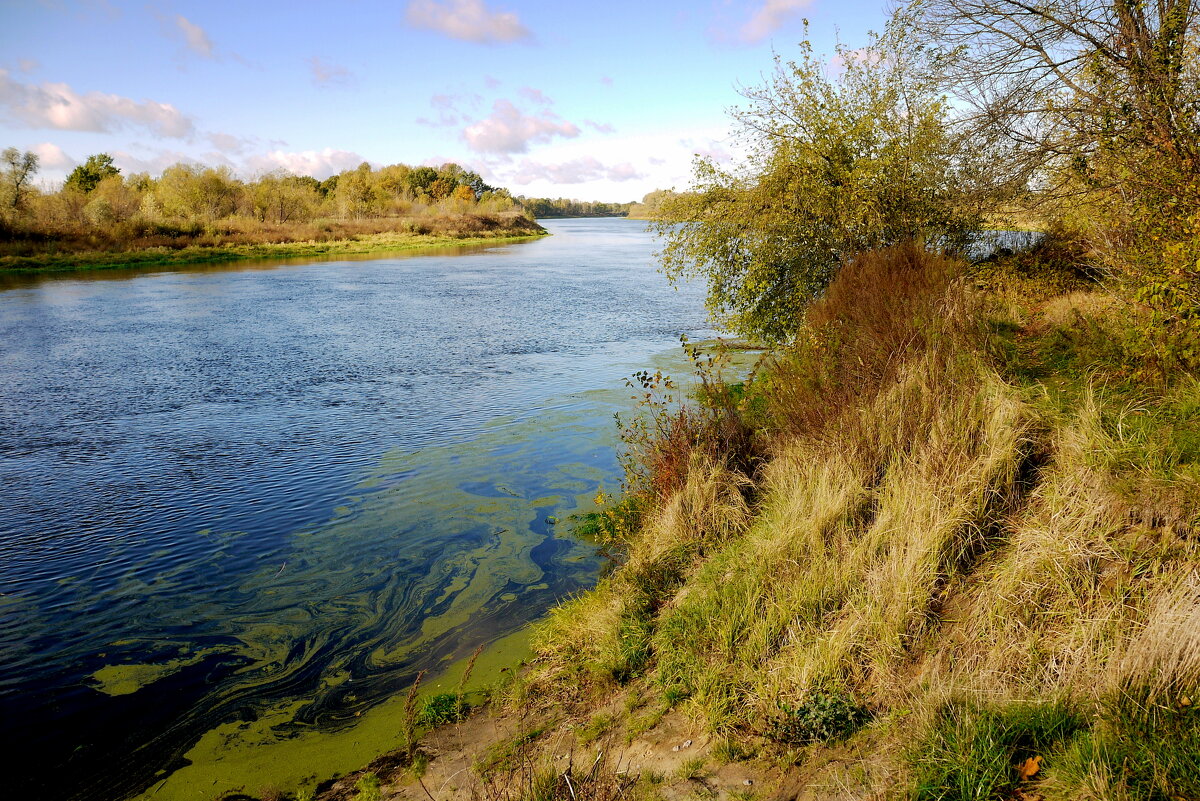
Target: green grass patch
[
  {"x": 974, "y": 753},
  {"x": 443, "y": 708},
  {"x": 367, "y": 788},
  {"x": 596, "y": 726}
]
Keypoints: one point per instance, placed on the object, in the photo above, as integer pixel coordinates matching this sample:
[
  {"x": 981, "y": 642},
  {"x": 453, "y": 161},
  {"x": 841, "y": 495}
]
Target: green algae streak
[
  {"x": 126, "y": 679},
  {"x": 249, "y": 757},
  {"x": 499, "y": 489}
]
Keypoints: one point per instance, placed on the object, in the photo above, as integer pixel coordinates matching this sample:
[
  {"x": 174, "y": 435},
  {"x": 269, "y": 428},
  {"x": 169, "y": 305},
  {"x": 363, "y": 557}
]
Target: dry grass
[
  {"x": 992, "y": 570},
  {"x": 603, "y": 636},
  {"x": 884, "y": 309},
  {"x": 546, "y": 778}
]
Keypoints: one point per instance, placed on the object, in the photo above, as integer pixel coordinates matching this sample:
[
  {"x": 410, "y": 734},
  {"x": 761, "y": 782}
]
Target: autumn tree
[
  {"x": 278, "y": 197},
  {"x": 836, "y": 163},
  {"x": 1097, "y": 103},
  {"x": 86, "y": 176},
  {"x": 358, "y": 193},
  {"x": 464, "y": 194},
  {"x": 441, "y": 188},
  {"x": 198, "y": 193},
  {"x": 111, "y": 200},
  {"x": 18, "y": 171}
]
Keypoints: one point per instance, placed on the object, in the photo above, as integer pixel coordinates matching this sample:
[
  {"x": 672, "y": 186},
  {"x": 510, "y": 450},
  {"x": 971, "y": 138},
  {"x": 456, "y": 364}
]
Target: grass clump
[
  {"x": 692, "y": 769},
  {"x": 441, "y": 709},
  {"x": 595, "y": 779},
  {"x": 367, "y": 788},
  {"x": 596, "y": 726},
  {"x": 1146, "y": 741},
  {"x": 509, "y": 754}
]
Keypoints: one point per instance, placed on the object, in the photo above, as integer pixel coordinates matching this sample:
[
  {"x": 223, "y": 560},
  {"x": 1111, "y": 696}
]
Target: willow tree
[{"x": 842, "y": 156}]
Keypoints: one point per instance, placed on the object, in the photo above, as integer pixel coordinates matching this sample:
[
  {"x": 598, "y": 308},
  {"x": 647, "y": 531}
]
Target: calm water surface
[{"x": 244, "y": 505}]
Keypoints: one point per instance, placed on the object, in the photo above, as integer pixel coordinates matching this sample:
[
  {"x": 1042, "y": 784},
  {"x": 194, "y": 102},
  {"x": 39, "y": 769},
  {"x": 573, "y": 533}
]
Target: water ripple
[{"x": 274, "y": 494}]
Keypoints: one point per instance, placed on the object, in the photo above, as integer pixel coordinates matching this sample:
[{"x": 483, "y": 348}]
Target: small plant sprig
[
  {"x": 408, "y": 725},
  {"x": 661, "y": 439},
  {"x": 821, "y": 718}
]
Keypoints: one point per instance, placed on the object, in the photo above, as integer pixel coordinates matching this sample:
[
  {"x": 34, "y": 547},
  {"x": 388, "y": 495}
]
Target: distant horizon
[{"x": 597, "y": 104}]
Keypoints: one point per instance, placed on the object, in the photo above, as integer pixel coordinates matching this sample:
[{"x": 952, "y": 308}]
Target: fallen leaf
[{"x": 1029, "y": 768}]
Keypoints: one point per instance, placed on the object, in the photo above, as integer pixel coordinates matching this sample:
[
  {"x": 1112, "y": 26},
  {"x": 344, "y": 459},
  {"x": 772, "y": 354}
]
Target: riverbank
[
  {"x": 946, "y": 547},
  {"x": 55, "y": 257}
]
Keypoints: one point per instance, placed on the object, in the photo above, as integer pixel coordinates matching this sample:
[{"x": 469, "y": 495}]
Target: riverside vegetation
[
  {"x": 943, "y": 541},
  {"x": 189, "y": 214},
  {"x": 942, "y": 546}
]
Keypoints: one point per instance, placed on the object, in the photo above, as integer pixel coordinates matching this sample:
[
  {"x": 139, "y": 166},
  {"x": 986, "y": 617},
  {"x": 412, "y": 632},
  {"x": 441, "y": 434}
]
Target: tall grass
[{"x": 932, "y": 538}]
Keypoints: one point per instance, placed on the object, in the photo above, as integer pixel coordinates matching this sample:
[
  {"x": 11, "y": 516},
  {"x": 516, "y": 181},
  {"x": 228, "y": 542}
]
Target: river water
[{"x": 243, "y": 505}]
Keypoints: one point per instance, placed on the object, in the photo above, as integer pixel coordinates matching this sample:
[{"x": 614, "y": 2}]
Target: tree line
[
  {"x": 98, "y": 196},
  {"x": 562, "y": 207}
]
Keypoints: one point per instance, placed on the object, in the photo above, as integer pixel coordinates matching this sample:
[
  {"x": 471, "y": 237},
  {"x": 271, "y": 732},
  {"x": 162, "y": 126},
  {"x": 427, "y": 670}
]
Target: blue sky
[{"x": 595, "y": 100}]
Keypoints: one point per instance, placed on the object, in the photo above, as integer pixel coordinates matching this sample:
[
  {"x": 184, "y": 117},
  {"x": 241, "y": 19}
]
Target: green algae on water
[
  {"x": 126, "y": 679},
  {"x": 251, "y": 757}
]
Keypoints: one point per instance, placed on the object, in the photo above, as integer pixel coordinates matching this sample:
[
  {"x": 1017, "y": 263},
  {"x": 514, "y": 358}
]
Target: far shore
[{"x": 368, "y": 244}]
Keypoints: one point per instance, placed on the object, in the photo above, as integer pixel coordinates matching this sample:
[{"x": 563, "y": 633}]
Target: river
[{"x": 243, "y": 505}]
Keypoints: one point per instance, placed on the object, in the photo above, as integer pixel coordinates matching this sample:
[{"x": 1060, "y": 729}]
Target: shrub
[
  {"x": 885, "y": 308},
  {"x": 821, "y": 718}
]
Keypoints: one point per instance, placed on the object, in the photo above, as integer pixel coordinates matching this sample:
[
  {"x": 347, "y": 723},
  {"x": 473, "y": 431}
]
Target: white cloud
[
  {"x": 27, "y": 64},
  {"x": 618, "y": 167},
  {"x": 769, "y": 18},
  {"x": 317, "y": 163},
  {"x": 57, "y": 105},
  {"x": 535, "y": 96},
  {"x": 578, "y": 171},
  {"x": 507, "y": 130},
  {"x": 228, "y": 143},
  {"x": 468, "y": 20},
  {"x": 51, "y": 157},
  {"x": 194, "y": 36},
  {"x": 327, "y": 74},
  {"x": 601, "y": 127},
  {"x": 153, "y": 164},
  {"x": 709, "y": 149},
  {"x": 449, "y": 110}
]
